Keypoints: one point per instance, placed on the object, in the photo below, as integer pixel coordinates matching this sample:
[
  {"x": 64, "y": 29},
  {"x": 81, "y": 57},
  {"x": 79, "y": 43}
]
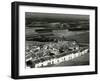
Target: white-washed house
[
  {"x": 36, "y": 65},
  {"x": 52, "y": 61},
  {"x": 77, "y": 54},
  {"x": 40, "y": 64},
  {"x": 86, "y": 50},
  {"x": 45, "y": 63},
  {"x": 63, "y": 58},
  {"x": 66, "y": 58},
  {"x": 55, "y": 60},
  {"x": 60, "y": 59},
  {"x": 72, "y": 55},
  {"x": 83, "y": 52}
]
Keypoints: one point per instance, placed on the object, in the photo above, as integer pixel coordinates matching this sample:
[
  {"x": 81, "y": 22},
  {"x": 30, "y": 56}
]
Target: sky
[{"x": 56, "y": 17}]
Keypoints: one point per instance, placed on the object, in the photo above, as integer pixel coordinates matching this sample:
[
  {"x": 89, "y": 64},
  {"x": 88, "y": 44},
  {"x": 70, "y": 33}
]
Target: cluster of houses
[
  {"x": 58, "y": 59},
  {"x": 51, "y": 54}
]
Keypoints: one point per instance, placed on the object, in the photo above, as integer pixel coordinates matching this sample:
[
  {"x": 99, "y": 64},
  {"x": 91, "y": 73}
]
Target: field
[{"x": 79, "y": 36}]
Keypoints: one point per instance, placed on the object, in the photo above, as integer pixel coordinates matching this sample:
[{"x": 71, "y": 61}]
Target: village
[{"x": 51, "y": 53}]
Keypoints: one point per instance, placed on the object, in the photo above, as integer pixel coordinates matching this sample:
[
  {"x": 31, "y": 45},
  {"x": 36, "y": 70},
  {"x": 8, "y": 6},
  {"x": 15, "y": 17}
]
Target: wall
[{"x": 5, "y": 40}]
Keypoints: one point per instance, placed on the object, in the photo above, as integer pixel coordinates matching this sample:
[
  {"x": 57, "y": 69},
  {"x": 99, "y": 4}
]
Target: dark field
[{"x": 79, "y": 36}]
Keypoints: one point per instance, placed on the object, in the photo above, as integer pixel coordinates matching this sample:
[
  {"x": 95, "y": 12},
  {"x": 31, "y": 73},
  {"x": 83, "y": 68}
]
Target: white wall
[{"x": 5, "y": 40}]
